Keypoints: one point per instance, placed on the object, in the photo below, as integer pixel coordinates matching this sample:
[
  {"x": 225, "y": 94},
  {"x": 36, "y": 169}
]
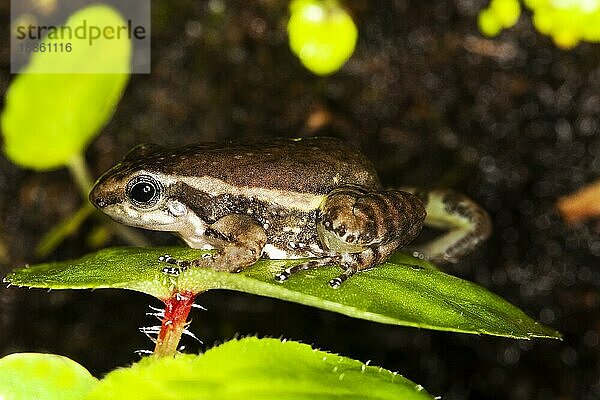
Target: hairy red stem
[{"x": 177, "y": 308}]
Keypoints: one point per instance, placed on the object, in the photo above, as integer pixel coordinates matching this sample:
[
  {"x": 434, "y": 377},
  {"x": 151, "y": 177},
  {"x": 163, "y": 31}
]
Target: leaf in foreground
[
  {"x": 254, "y": 368},
  {"x": 43, "y": 377},
  {"x": 405, "y": 291}
]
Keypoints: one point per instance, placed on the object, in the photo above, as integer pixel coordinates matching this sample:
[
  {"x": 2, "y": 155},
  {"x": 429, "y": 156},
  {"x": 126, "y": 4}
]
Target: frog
[{"x": 317, "y": 199}]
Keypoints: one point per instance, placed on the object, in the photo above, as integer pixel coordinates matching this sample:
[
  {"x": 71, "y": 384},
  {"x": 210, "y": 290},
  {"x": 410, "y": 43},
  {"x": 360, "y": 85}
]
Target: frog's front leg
[
  {"x": 466, "y": 222},
  {"x": 239, "y": 240},
  {"x": 363, "y": 228}
]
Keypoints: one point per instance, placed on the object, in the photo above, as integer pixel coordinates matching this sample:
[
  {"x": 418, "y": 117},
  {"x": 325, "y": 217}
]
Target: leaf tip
[{"x": 551, "y": 334}]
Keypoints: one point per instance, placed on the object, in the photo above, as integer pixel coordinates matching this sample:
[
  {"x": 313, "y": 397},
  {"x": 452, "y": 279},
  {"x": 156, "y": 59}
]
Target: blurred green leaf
[
  {"x": 51, "y": 117},
  {"x": 488, "y": 23},
  {"x": 568, "y": 22},
  {"x": 98, "y": 237},
  {"x": 507, "y": 11},
  {"x": 500, "y": 14},
  {"x": 43, "y": 377},
  {"x": 259, "y": 369},
  {"x": 322, "y": 34},
  {"x": 404, "y": 291},
  {"x": 52, "y": 239}
]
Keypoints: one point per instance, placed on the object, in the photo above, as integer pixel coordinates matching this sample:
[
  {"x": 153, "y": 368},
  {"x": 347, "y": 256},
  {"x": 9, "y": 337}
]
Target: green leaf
[
  {"x": 567, "y": 22},
  {"x": 44, "y": 377},
  {"x": 51, "y": 117},
  {"x": 498, "y": 15},
  {"x": 488, "y": 23},
  {"x": 254, "y": 368},
  {"x": 322, "y": 34},
  {"x": 405, "y": 291},
  {"x": 507, "y": 11}
]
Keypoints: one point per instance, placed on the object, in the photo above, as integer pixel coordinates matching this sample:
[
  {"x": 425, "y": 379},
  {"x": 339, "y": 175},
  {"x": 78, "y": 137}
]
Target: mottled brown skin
[
  {"x": 313, "y": 197},
  {"x": 366, "y": 227},
  {"x": 304, "y": 166}
]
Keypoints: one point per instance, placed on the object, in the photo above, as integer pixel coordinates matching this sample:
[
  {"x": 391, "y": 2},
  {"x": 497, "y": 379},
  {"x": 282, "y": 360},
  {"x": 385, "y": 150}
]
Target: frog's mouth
[{"x": 155, "y": 219}]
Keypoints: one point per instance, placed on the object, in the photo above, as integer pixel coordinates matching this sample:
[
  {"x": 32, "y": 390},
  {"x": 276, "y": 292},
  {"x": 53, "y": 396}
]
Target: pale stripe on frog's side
[{"x": 216, "y": 187}]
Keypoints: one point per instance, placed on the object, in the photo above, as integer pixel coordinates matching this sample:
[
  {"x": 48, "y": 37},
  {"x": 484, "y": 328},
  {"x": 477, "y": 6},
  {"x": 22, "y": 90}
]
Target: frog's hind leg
[
  {"x": 352, "y": 219},
  {"x": 367, "y": 227},
  {"x": 351, "y": 263},
  {"x": 312, "y": 264},
  {"x": 466, "y": 223},
  {"x": 363, "y": 261}
]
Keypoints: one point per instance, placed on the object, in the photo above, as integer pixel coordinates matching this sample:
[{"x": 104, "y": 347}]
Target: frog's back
[{"x": 310, "y": 165}]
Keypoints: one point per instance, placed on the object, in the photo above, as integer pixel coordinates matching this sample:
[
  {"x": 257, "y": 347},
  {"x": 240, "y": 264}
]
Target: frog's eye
[{"x": 143, "y": 191}]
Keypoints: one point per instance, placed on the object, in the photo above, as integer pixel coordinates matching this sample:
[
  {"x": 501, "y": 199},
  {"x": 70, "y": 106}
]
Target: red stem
[{"x": 177, "y": 308}]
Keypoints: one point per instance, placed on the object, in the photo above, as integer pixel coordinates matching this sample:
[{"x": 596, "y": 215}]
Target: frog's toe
[
  {"x": 283, "y": 275},
  {"x": 336, "y": 282},
  {"x": 166, "y": 258},
  {"x": 170, "y": 260},
  {"x": 418, "y": 254},
  {"x": 173, "y": 271},
  {"x": 178, "y": 265},
  {"x": 182, "y": 265}
]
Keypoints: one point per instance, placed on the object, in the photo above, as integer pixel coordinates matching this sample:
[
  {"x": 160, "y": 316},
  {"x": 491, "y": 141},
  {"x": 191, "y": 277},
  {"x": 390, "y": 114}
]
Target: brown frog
[{"x": 312, "y": 198}]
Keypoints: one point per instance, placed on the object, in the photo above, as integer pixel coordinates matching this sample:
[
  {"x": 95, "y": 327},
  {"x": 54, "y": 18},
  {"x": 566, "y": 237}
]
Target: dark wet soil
[{"x": 513, "y": 122}]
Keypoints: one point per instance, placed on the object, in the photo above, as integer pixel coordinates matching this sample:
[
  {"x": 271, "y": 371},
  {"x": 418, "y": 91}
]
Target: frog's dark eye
[{"x": 143, "y": 191}]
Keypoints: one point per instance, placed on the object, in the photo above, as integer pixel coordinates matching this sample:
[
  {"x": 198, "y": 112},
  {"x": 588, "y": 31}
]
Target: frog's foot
[
  {"x": 229, "y": 260},
  {"x": 239, "y": 240},
  {"x": 351, "y": 263},
  {"x": 466, "y": 223},
  {"x": 367, "y": 259},
  {"x": 363, "y": 261},
  {"x": 321, "y": 262},
  {"x": 182, "y": 265}
]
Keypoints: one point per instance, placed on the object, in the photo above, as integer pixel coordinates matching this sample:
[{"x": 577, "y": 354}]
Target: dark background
[{"x": 513, "y": 122}]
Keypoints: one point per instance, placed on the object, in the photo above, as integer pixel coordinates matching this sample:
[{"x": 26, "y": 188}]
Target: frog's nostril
[{"x": 96, "y": 199}]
